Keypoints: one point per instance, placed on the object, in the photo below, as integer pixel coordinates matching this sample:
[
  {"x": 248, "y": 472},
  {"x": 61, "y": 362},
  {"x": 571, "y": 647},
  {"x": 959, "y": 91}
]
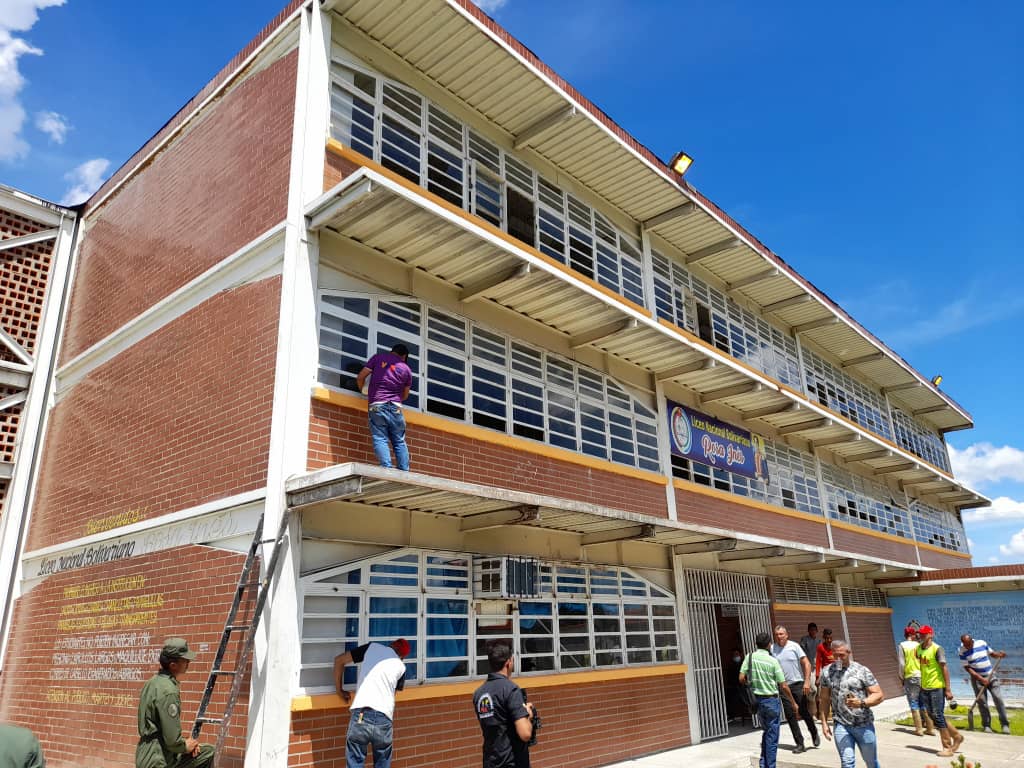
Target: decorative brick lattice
[
  {"x": 24, "y": 273},
  {"x": 9, "y": 419}
]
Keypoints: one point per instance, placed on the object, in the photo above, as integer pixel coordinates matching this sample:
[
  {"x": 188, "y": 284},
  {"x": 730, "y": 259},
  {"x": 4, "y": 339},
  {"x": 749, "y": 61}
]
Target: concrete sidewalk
[{"x": 898, "y": 748}]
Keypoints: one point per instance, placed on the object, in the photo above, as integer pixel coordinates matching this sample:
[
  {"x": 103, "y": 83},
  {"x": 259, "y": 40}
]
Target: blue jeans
[
  {"x": 768, "y": 712},
  {"x": 848, "y": 737},
  {"x": 912, "y": 687},
  {"x": 368, "y": 727},
  {"x": 387, "y": 428},
  {"x": 933, "y": 701}
]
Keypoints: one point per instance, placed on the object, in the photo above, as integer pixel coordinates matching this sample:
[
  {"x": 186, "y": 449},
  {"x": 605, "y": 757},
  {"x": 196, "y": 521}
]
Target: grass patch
[{"x": 959, "y": 720}]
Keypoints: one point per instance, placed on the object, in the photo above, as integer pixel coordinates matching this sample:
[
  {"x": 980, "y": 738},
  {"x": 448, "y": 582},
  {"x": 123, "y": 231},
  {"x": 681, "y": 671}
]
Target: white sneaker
[
  {"x": 1006, "y": 729},
  {"x": 986, "y": 729}
]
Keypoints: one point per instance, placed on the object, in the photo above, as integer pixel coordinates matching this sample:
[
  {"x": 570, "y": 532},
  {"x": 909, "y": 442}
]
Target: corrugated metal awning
[
  {"x": 484, "y": 506},
  {"x": 392, "y": 218},
  {"x": 484, "y": 68}
]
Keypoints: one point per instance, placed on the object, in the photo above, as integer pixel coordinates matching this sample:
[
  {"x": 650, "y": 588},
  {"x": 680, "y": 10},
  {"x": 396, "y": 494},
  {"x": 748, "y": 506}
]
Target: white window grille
[
  {"x": 394, "y": 125},
  {"x": 845, "y": 395},
  {"x": 857, "y": 500},
  {"x": 793, "y": 478},
  {"x": 803, "y": 591},
  {"x": 473, "y": 374},
  {"x": 690, "y": 303},
  {"x": 861, "y": 597},
  {"x": 584, "y": 617},
  {"x": 938, "y": 527},
  {"x": 919, "y": 440}
]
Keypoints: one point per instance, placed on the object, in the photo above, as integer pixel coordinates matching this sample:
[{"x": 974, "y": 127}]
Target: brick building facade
[{"x": 368, "y": 173}]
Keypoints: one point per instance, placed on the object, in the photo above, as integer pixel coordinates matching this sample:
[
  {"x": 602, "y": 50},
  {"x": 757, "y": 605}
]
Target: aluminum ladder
[{"x": 243, "y": 595}]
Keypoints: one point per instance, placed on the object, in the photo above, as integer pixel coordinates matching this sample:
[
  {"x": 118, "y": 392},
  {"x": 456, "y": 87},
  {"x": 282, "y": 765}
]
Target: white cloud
[
  {"x": 54, "y": 125},
  {"x": 1003, "y": 508},
  {"x": 490, "y": 6},
  {"x": 993, "y": 560},
  {"x": 970, "y": 544},
  {"x": 985, "y": 463},
  {"x": 12, "y": 114},
  {"x": 15, "y": 16},
  {"x": 1015, "y": 547},
  {"x": 21, "y": 15},
  {"x": 85, "y": 179}
]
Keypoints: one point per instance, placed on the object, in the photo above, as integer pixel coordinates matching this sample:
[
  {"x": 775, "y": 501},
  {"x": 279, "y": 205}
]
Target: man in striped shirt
[
  {"x": 763, "y": 673},
  {"x": 975, "y": 654}
]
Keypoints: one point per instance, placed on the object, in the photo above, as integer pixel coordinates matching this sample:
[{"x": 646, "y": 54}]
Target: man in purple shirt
[{"x": 390, "y": 382}]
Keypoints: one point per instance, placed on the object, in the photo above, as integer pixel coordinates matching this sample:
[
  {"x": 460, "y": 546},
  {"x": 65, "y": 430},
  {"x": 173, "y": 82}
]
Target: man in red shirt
[
  {"x": 390, "y": 382},
  {"x": 824, "y": 655}
]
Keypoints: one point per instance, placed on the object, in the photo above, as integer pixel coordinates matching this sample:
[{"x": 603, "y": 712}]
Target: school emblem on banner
[{"x": 706, "y": 440}]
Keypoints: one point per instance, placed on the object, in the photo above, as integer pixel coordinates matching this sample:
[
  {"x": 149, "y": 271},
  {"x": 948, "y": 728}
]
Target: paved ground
[{"x": 898, "y": 748}]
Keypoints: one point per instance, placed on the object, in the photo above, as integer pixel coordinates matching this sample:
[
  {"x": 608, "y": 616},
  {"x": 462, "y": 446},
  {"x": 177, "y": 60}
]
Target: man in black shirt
[{"x": 504, "y": 714}]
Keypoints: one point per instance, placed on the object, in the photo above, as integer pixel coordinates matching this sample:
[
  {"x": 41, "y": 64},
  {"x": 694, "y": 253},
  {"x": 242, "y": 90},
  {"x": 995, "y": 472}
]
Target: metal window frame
[{"x": 314, "y": 585}]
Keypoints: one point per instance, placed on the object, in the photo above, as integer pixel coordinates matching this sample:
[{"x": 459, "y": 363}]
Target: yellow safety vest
[
  {"x": 931, "y": 672},
  {"x": 911, "y": 666}
]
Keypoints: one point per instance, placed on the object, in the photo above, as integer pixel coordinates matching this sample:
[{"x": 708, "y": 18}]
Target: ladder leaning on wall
[{"x": 245, "y": 631}]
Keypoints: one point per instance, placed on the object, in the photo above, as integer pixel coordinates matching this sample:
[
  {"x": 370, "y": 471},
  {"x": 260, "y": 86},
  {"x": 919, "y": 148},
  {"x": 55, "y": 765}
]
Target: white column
[
  {"x": 32, "y": 429},
  {"x": 276, "y": 654},
  {"x": 686, "y": 648},
  {"x": 842, "y": 607},
  {"x": 665, "y": 449},
  {"x": 647, "y": 269}
]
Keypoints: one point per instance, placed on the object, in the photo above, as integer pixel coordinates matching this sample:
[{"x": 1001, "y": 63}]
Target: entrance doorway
[{"x": 726, "y": 611}]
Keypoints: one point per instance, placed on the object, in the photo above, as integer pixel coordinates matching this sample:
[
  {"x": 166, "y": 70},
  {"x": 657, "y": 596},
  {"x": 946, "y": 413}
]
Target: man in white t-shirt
[
  {"x": 381, "y": 673},
  {"x": 797, "y": 670}
]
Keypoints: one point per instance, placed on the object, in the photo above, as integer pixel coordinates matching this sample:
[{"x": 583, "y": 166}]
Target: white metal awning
[
  {"x": 484, "y": 506},
  {"x": 390, "y": 219},
  {"x": 501, "y": 80}
]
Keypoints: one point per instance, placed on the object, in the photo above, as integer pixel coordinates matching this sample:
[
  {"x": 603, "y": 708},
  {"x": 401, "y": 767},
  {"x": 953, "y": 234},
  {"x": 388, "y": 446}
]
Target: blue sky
[{"x": 876, "y": 147}]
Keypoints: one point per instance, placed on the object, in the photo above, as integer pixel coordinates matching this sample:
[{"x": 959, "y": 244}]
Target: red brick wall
[
  {"x": 796, "y": 621},
  {"x": 932, "y": 559},
  {"x": 339, "y": 434},
  {"x": 863, "y": 543},
  {"x": 700, "y": 509},
  {"x": 214, "y": 189},
  {"x": 584, "y": 725},
  {"x": 180, "y": 418},
  {"x": 92, "y": 722},
  {"x": 873, "y": 646},
  {"x": 336, "y": 168},
  {"x": 219, "y": 79}
]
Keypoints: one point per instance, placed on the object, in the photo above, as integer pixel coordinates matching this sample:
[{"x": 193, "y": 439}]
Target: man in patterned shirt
[{"x": 853, "y": 690}]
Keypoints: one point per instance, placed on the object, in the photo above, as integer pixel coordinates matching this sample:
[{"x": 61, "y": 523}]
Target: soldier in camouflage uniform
[
  {"x": 19, "y": 747},
  {"x": 161, "y": 743}
]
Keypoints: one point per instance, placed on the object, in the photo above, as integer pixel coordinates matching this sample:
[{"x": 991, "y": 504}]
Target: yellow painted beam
[{"x": 325, "y": 701}]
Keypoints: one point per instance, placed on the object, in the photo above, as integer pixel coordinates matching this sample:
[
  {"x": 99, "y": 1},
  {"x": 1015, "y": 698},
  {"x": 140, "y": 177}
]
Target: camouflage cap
[{"x": 177, "y": 648}]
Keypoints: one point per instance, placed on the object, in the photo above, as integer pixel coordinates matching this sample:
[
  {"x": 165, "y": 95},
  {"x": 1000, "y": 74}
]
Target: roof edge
[{"x": 646, "y": 154}]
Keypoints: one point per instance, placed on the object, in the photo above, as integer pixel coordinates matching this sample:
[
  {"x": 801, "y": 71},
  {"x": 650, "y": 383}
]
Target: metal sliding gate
[{"x": 703, "y": 590}]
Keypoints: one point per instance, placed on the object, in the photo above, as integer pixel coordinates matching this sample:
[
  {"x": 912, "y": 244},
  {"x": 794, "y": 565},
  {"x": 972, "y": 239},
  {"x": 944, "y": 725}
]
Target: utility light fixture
[
  {"x": 681, "y": 163},
  {"x": 936, "y": 380}
]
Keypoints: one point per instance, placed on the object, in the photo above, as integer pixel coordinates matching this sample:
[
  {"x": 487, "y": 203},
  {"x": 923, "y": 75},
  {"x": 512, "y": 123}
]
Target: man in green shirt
[
  {"x": 19, "y": 748},
  {"x": 763, "y": 673},
  {"x": 161, "y": 742}
]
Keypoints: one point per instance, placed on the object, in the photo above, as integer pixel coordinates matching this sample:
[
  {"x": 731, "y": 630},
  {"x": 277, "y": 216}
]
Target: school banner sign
[{"x": 706, "y": 440}]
